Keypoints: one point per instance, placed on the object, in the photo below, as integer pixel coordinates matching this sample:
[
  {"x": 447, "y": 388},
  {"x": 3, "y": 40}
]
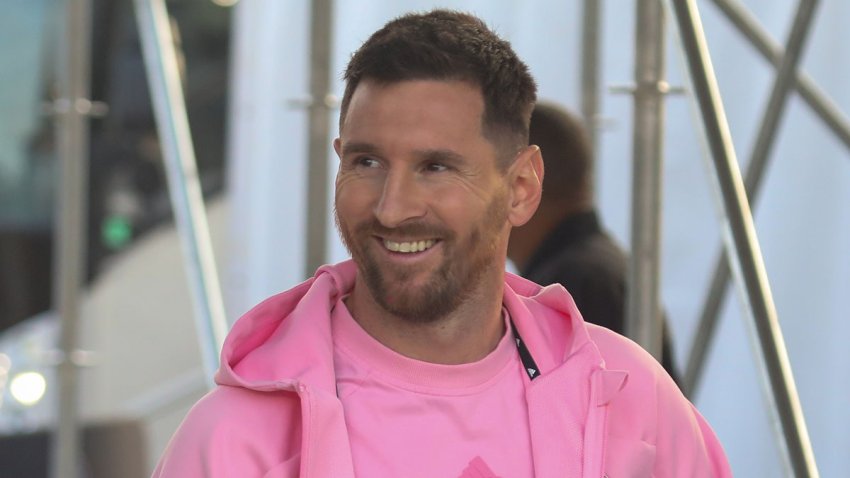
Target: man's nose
[{"x": 401, "y": 199}]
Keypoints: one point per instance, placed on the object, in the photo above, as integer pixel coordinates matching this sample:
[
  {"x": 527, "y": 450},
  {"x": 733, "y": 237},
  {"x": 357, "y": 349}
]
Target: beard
[{"x": 461, "y": 270}]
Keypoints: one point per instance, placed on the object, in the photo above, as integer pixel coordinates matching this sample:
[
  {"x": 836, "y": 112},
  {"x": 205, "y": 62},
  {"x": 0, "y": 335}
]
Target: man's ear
[
  {"x": 526, "y": 185},
  {"x": 337, "y": 148}
]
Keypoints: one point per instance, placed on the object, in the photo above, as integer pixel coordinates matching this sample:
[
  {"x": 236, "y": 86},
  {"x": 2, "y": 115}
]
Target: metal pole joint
[
  {"x": 80, "y": 106},
  {"x": 659, "y": 87}
]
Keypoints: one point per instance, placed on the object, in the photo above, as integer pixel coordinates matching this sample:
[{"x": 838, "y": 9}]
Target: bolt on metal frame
[{"x": 744, "y": 253}]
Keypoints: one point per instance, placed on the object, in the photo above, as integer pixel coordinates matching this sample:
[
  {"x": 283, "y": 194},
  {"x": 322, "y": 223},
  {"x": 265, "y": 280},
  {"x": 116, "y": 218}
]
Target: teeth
[{"x": 408, "y": 247}]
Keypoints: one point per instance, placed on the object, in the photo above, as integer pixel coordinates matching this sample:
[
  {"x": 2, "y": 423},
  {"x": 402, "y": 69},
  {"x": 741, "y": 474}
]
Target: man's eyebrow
[
  {"x": 358, "y": 148},
  {"x": 440, "y": 156},
  {"x": 436, "y": 155}
]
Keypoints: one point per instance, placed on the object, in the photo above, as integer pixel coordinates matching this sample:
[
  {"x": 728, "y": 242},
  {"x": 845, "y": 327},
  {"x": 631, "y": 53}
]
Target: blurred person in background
[
  {"x": 422, "y": 357},
  {"x": 564, "y": 242}
]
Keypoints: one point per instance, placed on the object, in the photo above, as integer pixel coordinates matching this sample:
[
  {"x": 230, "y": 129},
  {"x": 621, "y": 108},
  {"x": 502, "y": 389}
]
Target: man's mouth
[{"x": 408, "y": 247}]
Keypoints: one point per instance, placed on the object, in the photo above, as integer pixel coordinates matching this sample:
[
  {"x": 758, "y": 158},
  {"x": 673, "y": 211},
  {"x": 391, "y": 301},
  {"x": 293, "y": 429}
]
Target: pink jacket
[{"x": 601, "y": 406}]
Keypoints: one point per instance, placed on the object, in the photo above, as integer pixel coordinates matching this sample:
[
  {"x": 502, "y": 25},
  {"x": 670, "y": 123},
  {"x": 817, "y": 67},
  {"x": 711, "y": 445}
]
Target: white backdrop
[{"x": 802, "y": 217}]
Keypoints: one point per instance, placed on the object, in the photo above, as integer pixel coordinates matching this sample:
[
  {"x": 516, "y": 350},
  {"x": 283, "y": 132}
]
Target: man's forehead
[
  {"x": 454, "y": 98},
  {"x": 372, "y": 86}
]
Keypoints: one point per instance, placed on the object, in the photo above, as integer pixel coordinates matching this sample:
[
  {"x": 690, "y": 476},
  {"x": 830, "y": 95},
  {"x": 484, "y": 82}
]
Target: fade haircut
[
  {"x": 452, "y": 46},
  {"x": 567, "y": 154}
]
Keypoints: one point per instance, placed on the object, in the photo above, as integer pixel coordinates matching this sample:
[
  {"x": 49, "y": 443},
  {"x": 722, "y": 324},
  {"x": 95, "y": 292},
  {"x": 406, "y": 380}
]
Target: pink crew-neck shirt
[{"x": 408, "y": 418}]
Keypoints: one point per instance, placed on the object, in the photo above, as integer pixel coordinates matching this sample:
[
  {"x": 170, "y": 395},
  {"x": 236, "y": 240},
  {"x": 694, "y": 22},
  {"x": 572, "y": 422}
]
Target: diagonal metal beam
[
  {"x": 184, "y": 186},
  {"x": 782, "y": 85},
  {"x": 743, "y": 245},
  {"x": 822, "y": 105}
]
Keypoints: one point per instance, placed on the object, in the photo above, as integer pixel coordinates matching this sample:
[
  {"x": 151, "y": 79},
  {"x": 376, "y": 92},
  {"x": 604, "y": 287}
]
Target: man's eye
[
  {"x": 436, "y": 167},
  {"x": 367, "y": 162}
]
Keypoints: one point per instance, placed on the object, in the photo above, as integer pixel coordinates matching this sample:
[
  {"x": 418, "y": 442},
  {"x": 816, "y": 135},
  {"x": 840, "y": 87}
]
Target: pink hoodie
[{"x": 601, "y": 406}]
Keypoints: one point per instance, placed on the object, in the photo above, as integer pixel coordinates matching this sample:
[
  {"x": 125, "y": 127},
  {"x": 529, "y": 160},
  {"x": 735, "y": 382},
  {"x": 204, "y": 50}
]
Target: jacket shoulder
[
  {"x": 621, "y": 353},
  {"x": 236, "y": 432},
  {"x": 650, "y": 421}
]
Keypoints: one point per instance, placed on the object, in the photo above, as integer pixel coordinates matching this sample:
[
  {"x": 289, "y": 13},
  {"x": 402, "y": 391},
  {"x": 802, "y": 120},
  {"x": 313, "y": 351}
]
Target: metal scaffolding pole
[
  {"x": 742, "y": 244},
  {"x": 72, "y": 134},
  {"x": 806, "y": 87},
  {"x": 643, "y": 317},
  {"x": 321, "y": 102},
  {"x": 590, "y": 34},
  {"x": 752, "y": 183},
  {"x": 182, "y": 173}
]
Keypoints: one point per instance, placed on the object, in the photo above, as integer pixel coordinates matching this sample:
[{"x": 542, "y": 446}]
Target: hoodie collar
[{"x": 298, "y": 321}]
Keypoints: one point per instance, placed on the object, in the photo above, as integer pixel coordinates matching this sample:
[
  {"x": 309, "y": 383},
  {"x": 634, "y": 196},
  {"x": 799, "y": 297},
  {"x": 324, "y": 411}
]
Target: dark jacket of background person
[{"x": 564, "y": 242}]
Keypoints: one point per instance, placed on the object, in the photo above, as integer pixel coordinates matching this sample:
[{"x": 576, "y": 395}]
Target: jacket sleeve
[
  {"x": 232, "y": 432},
  {"x": 685, "y": 443}
]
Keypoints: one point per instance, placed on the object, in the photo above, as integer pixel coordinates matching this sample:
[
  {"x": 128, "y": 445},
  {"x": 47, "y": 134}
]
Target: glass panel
[
  {"x": 127, "y": 188},
  {"x": 27, "y": 166}
]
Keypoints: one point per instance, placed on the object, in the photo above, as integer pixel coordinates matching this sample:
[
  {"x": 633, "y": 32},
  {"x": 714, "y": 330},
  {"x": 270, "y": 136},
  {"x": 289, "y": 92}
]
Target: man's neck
[{"x": 465, "y": 335}]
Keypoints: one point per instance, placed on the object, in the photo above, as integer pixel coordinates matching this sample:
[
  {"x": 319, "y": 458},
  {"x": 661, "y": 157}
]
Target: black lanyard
[{"x": 528, "y": 362}]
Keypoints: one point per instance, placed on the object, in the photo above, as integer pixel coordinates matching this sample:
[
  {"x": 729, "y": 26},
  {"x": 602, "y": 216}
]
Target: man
[
  {"x": 421, "y": 357},
  {"x": 564, "y": 243}
]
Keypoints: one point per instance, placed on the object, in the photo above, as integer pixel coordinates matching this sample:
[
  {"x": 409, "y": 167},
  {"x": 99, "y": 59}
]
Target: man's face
[{"x": 420, "y": 202}]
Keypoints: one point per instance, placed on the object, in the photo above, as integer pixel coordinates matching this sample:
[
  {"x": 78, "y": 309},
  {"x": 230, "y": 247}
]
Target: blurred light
[
  {"x": 116, "y": 231},
  {"x": 225, "y": 3},
  {"x": 28, "y": 387}
]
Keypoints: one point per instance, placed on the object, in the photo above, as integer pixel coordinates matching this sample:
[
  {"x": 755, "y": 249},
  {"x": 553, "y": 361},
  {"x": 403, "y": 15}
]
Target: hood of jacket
[{"x": 287, "y": 337}]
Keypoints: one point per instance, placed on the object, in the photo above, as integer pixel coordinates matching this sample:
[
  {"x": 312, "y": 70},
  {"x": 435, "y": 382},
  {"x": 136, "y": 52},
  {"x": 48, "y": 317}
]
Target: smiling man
[
  {"x": 425, "y": 209},
  {"x": 422, "y": 357}
]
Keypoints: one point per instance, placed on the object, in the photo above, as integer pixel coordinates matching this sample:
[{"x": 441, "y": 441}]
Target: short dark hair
[
  {"x": 449, "y": 45},
  {"x": 567, "y": 153}
]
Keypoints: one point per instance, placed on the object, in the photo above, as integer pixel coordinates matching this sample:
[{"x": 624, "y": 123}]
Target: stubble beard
[{"x": 463, "y": 268}]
